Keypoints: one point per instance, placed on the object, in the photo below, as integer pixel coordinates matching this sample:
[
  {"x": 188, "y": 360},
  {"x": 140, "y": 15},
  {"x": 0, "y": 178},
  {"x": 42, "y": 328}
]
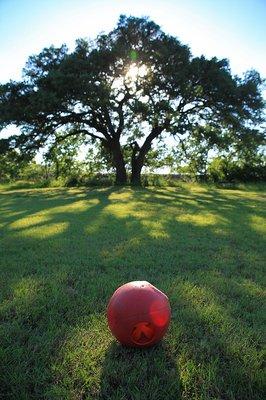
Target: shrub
[{"x": 222, "y": 169}]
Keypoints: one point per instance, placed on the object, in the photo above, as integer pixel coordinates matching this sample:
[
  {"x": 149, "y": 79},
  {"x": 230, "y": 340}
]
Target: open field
[{"x": 64, "y": 251}]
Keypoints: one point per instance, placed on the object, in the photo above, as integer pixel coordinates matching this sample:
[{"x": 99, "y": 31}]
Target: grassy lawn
[{"x": 64, "y": 251}]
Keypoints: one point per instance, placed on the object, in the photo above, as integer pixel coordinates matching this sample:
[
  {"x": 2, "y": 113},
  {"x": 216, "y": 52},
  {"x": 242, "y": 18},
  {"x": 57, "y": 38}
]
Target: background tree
[
  {"x": 11, "y": 165},
  {"x": 125, "y": 89},
  {"x": 61, "y": 156},
  {"x": 33, "y": 172},
  {"x": 12, "y": 162}
]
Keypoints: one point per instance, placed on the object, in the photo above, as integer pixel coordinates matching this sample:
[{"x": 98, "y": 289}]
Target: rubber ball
[{"x": 138, "y": 314}]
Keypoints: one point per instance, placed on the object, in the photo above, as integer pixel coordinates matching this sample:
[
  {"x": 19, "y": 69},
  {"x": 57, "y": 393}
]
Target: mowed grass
[{"x": 63, "y": 252}]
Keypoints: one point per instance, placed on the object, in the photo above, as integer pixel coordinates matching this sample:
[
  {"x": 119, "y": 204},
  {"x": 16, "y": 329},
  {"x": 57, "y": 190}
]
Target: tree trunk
[
  {"x": 139, "y": 154},
  {"x": 46, "y": 171},
  {"x": 136, "y": 168},
  {"x": 56, "y": 169},
  {"x": 119, "y": 164},
  {"x": 120, "y": 175}
]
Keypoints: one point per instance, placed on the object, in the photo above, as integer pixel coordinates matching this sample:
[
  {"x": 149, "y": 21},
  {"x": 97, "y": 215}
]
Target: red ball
[{"x": 138, "y": 314}]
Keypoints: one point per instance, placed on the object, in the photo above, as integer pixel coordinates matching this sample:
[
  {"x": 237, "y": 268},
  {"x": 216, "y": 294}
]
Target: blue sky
[{"x": 233, "y": 29}]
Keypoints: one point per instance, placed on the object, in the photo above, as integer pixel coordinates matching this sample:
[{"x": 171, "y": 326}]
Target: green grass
[{"x": 64, "y": 251}]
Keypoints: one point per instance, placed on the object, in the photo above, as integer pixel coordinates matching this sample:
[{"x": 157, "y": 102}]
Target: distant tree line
[{"x": 60, "y": 163}]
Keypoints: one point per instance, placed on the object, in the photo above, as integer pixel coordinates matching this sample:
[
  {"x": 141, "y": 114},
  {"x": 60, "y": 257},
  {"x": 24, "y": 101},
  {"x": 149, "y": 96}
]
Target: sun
[
  {"x": 131, "y": 77},
  {"x": 134, "y": 72}
]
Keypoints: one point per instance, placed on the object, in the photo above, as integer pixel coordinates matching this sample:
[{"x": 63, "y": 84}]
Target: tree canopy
[{"x": 127, "y": 88}]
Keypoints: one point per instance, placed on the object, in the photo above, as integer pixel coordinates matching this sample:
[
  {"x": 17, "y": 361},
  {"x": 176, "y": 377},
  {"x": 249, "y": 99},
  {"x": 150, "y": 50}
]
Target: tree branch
[
  {"x": 155, "y": 132},
  {"x": 119, "y": 110},
  {"x": 78, "y": 132},
  {"x": 108, "y": 121},
  {"x": 94, "y": 123}
]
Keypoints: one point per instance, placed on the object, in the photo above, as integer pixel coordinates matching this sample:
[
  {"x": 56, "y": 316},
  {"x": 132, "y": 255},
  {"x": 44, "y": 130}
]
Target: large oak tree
[{"x": 126, "y": 89}]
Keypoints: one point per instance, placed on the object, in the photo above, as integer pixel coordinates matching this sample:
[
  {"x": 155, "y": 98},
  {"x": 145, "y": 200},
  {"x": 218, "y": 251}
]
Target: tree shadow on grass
[
  {"x": 133, "y": 374},
  {"x": 55, "y": 282},
  {"x": 219, "y": 352}
]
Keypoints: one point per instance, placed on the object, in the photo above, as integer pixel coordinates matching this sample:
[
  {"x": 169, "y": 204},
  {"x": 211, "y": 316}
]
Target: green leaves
[{"x": 39, "y": 65}]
